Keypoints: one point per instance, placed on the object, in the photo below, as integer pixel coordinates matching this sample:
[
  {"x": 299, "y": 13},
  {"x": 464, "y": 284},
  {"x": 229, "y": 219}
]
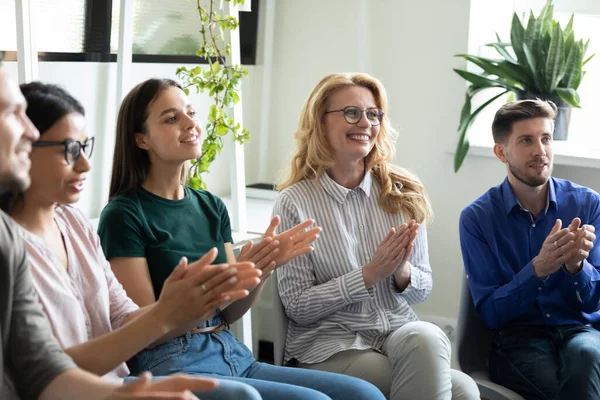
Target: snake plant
[{"x": 541, "y": 58}]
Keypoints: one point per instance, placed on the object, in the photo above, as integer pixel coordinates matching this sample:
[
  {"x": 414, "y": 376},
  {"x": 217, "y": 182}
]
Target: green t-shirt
[{"x": 141, "y": 224}]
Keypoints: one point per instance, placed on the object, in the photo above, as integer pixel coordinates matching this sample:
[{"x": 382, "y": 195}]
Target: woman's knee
[
  {"x": 234, "y": 390},
  {"x": 423, "y": 337},
  {"x": 463, "y": 386},
  {"x": 360, "y": 389}
]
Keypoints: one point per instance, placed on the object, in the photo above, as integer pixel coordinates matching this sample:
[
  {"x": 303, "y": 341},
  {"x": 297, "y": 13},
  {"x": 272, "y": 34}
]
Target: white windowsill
[
  {"x": 564, "y": 154},
  {"x": 258, "y": 214}
]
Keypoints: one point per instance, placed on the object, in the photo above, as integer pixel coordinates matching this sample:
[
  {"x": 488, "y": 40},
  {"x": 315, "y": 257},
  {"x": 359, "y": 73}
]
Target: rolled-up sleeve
[{"x": 421, "y": 280}]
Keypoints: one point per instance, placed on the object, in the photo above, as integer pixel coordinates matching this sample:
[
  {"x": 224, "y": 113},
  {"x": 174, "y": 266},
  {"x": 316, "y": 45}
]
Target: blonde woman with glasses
[{"x": 349, "y": 301}]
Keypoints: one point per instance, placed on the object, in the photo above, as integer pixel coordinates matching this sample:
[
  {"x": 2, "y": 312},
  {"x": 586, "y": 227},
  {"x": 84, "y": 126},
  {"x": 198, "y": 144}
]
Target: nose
[
  {"x": 539, "y": 149},
  {"x": 189, "y": 122},
  {"x": 83, "y": 163},
  {"x": 363, "y": 121},
  {"x": 30, "y": 132}
]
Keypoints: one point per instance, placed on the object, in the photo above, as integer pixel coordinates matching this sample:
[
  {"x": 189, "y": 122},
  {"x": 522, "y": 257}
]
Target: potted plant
[
  {"x": 222, "y": 81},
  {"x": 542, "y": 60}
]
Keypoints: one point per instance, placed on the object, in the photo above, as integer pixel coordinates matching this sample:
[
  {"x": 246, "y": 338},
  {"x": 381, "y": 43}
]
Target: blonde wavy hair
[{"x": 401, "y": 191}]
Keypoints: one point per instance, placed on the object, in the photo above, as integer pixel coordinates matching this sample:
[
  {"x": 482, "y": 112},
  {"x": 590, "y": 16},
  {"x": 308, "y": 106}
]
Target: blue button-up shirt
[{"x": 499, "y": 240}]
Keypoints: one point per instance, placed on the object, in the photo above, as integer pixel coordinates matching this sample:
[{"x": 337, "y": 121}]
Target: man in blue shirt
[{"x": 531, "y": 264}]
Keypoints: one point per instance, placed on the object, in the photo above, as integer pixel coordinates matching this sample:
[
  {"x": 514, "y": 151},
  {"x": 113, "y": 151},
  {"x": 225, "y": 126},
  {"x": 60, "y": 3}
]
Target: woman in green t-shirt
[{"x": 152, "y": 218}]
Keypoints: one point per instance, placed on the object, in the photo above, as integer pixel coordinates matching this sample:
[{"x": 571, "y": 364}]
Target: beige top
[{"x": 85, "y": 301}]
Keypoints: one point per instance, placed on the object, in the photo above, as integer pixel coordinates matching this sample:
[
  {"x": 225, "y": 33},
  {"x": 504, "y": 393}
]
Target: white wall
[{"x": 410, "y": 45}]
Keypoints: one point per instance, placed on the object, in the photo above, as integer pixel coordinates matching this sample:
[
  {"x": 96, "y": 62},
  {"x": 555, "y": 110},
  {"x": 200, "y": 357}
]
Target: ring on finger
[
  {"x": 556, "y": 244},
  {"x": 203, "y": 288}
]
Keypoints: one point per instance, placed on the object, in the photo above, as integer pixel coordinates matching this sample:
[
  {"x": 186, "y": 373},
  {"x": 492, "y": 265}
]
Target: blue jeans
[
  {"x": 222, "y": 356},
  {"x": 538, "y": 362},
  {"x": 225, "y": 390}
]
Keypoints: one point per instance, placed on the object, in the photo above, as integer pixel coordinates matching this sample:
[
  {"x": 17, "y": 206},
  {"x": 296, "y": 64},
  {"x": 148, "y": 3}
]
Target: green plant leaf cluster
[
  {"x": 541, "y": 58},
  {"x": 222, "y": 82}
]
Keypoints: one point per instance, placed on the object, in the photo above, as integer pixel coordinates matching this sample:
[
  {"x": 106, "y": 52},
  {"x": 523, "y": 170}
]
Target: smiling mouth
[
  {"x": 190, "y": 139},
  {"x": 538, "y": 165},
  {"x": 359, "y": 136}
]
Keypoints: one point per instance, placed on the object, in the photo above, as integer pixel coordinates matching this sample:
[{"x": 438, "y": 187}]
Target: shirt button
[
  {"x": 540, "y": 288},
  {"x": 547, "y": 315},
  {"x": 575, "y": 283},
  {"x": 361, "y": 226},
  {"x": 533, "y": 225}
]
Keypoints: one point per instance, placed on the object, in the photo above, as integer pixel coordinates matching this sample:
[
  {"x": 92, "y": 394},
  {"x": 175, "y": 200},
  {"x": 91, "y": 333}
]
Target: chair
[
  {"x": 280, "y": 322},
  {"x": 473, "y": 341}
]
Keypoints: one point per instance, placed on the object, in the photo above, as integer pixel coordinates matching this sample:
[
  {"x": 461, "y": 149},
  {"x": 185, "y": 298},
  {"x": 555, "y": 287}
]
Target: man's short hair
[{"x": 516, "y": 111}]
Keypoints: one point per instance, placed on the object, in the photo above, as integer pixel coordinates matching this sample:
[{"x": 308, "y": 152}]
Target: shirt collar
[
  {"x": 339, "y": 192},
  {"x": 511, "y": 201}
]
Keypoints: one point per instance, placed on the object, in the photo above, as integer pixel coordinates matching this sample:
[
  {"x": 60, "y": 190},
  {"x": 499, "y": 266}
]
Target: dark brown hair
[
  {"x": 131, "y": 164},
  {"x": 516, "y": 111}
]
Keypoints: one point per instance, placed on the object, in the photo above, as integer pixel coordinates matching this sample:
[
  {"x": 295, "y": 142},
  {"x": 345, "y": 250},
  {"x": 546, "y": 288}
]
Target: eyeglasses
[
  {"x": 353, "y": 115},
  {"x": 72, "y": 148}
]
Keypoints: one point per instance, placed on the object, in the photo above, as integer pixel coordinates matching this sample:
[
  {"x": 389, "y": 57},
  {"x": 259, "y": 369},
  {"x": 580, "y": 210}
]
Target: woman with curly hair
[{"x": 349, "y": 301}]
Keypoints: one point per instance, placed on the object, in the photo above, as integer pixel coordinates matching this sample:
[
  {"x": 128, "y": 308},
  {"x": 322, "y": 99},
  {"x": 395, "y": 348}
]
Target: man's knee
[
  {"x": 584, "y": 358},
  {"x": 531, "y": 379}
]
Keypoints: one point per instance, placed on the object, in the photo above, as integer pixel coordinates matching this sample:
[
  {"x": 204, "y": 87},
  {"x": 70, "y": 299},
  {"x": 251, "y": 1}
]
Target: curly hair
[{"x": 401, "y": 191}]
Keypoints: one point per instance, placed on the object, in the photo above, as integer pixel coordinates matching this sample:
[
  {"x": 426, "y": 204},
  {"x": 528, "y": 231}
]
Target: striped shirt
[{"x": 323, "y": 292}]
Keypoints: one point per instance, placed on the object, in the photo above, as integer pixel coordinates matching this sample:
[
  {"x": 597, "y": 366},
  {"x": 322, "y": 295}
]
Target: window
[
  {"x": 46, "y": 15},
  {"x": 487, "y": 19},
  {"x": 162, "y": 31}
]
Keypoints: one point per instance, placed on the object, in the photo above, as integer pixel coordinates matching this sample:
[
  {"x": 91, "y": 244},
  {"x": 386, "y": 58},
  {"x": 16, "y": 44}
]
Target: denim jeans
[
  {"x": 225, "y": 390},
  {"x": 538, "y": 362},
  {"x": 222, "y": 356}
]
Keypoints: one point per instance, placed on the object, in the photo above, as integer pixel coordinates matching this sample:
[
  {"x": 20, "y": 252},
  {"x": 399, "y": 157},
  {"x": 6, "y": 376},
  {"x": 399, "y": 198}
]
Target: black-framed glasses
[
  {"x": 73, "y": 148},
  {"x": 353, "y": 115}
]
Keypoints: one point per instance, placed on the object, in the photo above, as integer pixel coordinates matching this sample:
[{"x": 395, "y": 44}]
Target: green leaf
[
  {"x": 222, "y": 129},
  {"x": 532, "y": 64},
  {"x": 569, "y": 96},
  {"x": 569, "y": 27},
  {"x": 503, "y": 52},
  {"x": 463, "y": 142},
  {"x": 215, "y": 67},
  {"x": 212, "y": 114},
  {"x": 555, "y": 63},
  {"x": 186, "y": 91},
  {"x": 588, "y": 59},
  {"x": 504, "y": 70},
  {"x": 533, "y": 35},
  {"x": 517, "y": 38},
  {"x": 483, "y": 82},
  {"x": 575, "y": 79},
  {"x": 572, "y": 66},
  {"x": 546, "y": 16}
]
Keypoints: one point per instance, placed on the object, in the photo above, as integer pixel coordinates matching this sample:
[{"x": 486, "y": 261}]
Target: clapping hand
[{"x": 583, "y": 243}]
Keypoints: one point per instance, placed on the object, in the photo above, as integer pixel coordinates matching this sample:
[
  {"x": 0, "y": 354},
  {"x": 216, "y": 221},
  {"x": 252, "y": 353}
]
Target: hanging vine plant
[{"x": 221, "y": 80}]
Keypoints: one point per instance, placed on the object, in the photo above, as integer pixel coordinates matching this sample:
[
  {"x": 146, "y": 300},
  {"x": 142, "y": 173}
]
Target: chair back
[
  {"x": 280, "y": 323},
  {"x": 473, "y": 337}
]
